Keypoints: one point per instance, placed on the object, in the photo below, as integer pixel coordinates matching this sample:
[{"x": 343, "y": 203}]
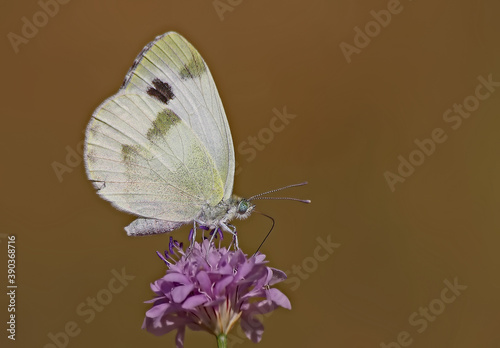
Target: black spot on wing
[{"x": 161, "y": 91}]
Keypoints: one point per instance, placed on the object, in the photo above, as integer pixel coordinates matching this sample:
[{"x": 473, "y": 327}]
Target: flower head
[{"x": 211, "y": 289}]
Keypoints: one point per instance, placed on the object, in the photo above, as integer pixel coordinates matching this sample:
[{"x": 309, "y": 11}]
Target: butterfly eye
[{"x": 243, "y": 207}]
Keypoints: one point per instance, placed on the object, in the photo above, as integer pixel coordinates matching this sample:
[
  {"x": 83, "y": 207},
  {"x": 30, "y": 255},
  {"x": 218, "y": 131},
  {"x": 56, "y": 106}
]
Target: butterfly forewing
[{"x": 171, "y": 71}]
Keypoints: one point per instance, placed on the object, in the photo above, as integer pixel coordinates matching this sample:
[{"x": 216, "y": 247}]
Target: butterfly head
[{"x": 243, "y": 208}]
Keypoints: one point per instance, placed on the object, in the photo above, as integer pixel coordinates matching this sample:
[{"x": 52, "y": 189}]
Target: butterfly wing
[
  {"x": 172, "y": 71},
  {"x": 145, "y": 159}
]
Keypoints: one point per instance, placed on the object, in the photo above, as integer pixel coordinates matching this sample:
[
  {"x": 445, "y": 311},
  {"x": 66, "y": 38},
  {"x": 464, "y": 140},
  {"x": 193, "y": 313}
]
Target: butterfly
[{"x": 161, "y": 147}]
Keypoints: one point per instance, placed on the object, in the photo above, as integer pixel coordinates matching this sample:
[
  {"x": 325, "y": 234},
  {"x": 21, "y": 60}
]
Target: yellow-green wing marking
[
  {"x": 144, "y": 158},
  {"x": 170, "y": 70}
]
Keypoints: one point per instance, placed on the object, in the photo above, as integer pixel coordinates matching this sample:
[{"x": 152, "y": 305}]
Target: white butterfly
[{"x": 161, "y": 147}]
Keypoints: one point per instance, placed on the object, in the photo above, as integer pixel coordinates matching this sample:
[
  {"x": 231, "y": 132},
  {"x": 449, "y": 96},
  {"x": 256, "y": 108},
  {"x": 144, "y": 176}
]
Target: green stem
[{"x": 222, "y": 341}]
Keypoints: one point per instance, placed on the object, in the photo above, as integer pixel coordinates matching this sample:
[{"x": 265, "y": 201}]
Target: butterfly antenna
[
  {"x": 278, "y": 189},
  {"x": 287, "y": 198},
  {"x": 268, "y": 233}
]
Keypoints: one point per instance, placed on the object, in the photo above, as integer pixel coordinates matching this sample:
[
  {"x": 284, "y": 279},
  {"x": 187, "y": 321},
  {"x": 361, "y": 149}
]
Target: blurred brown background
[{"x": 397, "y": 248}]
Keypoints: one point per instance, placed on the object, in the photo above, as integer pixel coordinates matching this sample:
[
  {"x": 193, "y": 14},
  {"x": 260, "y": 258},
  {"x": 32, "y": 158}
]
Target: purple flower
[{"x": 210, "y": 289}]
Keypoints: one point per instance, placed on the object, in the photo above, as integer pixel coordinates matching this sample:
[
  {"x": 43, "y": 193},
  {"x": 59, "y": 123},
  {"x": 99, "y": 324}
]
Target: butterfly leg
[
  {"x": 192, "y": 237},
  {"x": 214, "y": 234},
  {"x": 227, "y": 228}
]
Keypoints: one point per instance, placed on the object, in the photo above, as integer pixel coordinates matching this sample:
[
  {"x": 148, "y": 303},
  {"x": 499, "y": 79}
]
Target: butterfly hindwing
[
  {"x": 145, "y": 159},
  {"x": 171, "y": 71}
]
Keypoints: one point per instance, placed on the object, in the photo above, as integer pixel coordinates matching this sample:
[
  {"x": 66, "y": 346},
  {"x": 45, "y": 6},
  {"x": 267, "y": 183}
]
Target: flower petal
[
  {"x": 269, "y": 276},
  {"x": 180, "y": 293},
  {"x": 279, "y": 298},
  {"x": 224, "y": 259},
  {"x": 257, "y": 273},
  {"x": 165, "y": 287},
  {"x": 244, "y": 269},
  {"x": 155, "y": 287},
  {"x": 157, "y": 310},
  {"x": 261, "y": 307},
  {"x": 156, "y": 299},
  {"x": 176, "y": 277},
  {"x": 194, "y": 301},
  {"x": 204, "y": 282},
  {"x": 213, "y": 259},
  {"x": 278, "y": 276},
  {"x": 259, "y": 258},
  {"x": 159, "y": 328},
  {"x": 222, "y": 284},
  {"x": 257, "y": 278},
  {"x": 251, "y": 294},
  {"x": 215, "y": 302},
  {"x": 238, "y": 258},
  {"x": 253, "y": 328},
  {"x": 225, "y": 270}
]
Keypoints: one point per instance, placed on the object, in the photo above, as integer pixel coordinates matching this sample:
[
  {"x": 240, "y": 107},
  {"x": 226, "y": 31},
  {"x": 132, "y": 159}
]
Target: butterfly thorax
[{"x": 225, "y": 211}]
